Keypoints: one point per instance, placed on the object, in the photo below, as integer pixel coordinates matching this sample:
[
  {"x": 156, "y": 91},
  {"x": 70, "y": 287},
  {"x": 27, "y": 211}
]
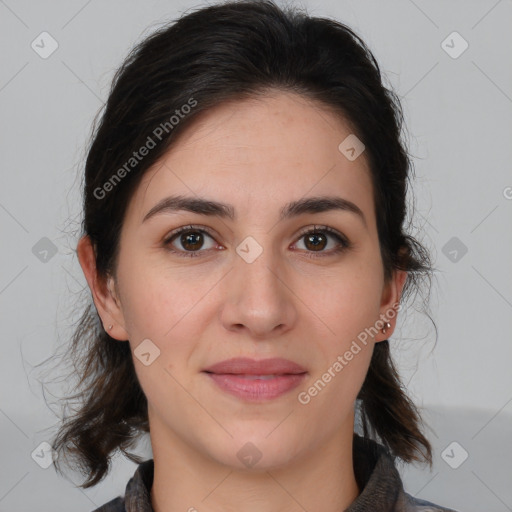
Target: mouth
[{"x": 256, "y": 381}]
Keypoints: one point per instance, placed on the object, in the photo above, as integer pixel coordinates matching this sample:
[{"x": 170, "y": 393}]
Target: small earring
[
  {"x": 387, "y": 326},
  {"x": 110, "y": 327}
]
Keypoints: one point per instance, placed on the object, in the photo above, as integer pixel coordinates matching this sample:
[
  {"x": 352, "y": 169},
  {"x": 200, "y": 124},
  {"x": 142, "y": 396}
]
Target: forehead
[{"x": 260, "y": 153}]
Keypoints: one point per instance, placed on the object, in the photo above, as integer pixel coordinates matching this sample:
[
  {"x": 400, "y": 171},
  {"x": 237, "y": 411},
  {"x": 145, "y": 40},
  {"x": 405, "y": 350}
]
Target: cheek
[
  {"x": 147, "y": 310},
  {"x": 156, "y": 298},
  {"x": 348, "y": 301},
  {"x": 159, "y": 309}
]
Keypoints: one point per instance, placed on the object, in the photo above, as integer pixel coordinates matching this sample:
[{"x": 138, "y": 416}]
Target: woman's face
[{"x": 251, "y": 283}]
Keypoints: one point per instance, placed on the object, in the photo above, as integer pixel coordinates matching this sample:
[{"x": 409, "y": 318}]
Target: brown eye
[
  {"x": 192, "y": 241},
  {"x": 188, "y": 241},
  {"x": 315, "y": 241},
  {"x": 324, "y": 241}
]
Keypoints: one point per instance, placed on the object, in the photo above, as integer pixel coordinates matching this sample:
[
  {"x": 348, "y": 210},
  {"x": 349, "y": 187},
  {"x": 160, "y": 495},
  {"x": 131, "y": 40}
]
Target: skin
[{"x": 256, "y": 155}]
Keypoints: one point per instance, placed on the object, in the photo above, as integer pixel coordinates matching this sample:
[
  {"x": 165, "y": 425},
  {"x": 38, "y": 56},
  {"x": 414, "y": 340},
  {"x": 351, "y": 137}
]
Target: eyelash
[{"x": 344, "y": 244}]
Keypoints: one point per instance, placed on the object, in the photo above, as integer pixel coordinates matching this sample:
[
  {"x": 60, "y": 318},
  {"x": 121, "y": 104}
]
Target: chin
[{"x": 255, "y": 452}]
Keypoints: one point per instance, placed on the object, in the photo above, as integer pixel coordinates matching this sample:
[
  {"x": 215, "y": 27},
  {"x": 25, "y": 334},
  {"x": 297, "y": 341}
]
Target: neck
[{"x": 188, "y": 480}]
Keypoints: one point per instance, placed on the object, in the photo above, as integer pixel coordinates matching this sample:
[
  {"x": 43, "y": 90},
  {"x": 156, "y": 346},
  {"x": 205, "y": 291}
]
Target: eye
[
  {"x": 317, "y": 239},
  {"x": 188, "y": 241},
  {"x": 190, "y": 238}
]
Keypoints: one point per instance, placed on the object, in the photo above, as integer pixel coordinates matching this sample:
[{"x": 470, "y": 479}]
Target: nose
[{"x": 258, "y": 298}]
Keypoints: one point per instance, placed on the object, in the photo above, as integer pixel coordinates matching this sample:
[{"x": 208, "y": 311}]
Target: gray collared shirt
[{"x": 374, "y": 469}]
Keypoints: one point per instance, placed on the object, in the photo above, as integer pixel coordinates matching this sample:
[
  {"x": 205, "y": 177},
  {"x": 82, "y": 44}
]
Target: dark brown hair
[{"x": 224, "y": 52}]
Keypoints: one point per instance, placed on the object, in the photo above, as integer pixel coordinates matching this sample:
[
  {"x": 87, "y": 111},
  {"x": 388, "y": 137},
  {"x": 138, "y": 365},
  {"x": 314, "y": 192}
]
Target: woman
[{"x": 244, "y": 244}]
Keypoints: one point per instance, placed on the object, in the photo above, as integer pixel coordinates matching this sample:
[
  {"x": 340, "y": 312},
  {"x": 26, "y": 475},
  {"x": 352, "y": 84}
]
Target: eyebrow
[{"x": 212, "y": 208}]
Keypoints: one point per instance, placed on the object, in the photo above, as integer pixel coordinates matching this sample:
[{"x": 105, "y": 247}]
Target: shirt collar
[{"x": 377, "y": 477}]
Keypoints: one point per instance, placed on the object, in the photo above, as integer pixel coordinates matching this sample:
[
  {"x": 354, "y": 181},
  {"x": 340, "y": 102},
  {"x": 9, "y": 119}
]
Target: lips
[
  {"x": 256, "y": 381},
  {"x": 248, "y": 366}
]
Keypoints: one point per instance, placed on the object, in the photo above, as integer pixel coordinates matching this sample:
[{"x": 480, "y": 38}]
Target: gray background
[{"x": 458, "y": 115}]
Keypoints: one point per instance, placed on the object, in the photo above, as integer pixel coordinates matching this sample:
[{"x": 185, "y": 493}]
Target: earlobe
[
  {"x": 390, "y": 304},
  {"x": 105, "y": 300}
]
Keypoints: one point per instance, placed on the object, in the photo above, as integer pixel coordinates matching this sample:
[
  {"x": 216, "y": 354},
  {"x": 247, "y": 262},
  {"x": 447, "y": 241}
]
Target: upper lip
[{"x": 248, "y": 366}]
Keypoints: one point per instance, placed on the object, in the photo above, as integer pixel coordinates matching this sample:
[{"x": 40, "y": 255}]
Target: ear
[
  {"x": 391, "y": 293},
  {"x": 103, "y": 292}
]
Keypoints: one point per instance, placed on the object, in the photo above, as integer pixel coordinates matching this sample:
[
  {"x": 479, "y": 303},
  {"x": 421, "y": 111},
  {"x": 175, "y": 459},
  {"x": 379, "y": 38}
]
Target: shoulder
[
  {"x": 115, "y": 505},
  {"x": 380, "y": 482},
  {"x": 418, "y": 505},
  {"x": 137, "y": 493}
]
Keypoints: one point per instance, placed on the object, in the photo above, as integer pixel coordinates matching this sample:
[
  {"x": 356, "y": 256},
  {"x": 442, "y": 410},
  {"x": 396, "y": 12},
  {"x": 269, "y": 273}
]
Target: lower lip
[{"x": 256, "y": 390}]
